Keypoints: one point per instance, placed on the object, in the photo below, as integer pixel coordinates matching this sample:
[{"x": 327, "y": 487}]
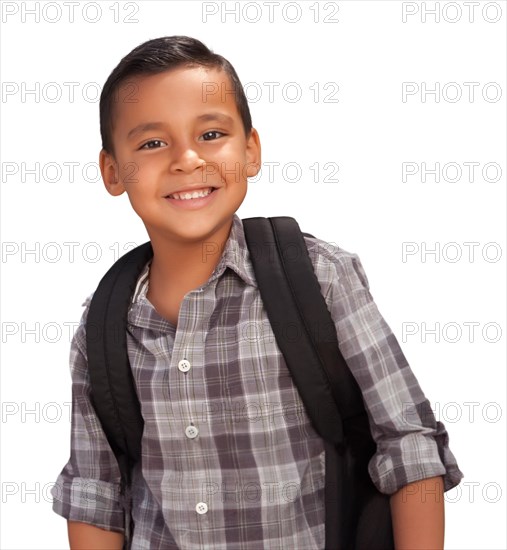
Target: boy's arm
[
  {"x": 411, "y": 444},
  {"x": 418, "y": 515},
  {"x": 413, "y": 451},
  {"x": 87, "y": 490},
  {"x": 83, "y": 536}
]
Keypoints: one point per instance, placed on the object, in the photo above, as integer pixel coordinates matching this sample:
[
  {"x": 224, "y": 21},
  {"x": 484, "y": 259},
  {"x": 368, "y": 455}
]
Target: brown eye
[
  {"x": 153, "y": 144},
  {"x": 211, "y": 133}
]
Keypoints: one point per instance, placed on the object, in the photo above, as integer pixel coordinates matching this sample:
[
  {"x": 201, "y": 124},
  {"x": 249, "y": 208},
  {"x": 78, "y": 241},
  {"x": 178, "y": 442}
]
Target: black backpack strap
[
  {"x": 292, "y": 297},
  {"x": 113, "y": 392},
  {"x": 278, "y": 288}
]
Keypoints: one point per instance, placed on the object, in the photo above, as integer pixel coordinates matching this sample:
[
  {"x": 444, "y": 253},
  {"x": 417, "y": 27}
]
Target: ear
[
  {"x": 253, "y": 154},
  {"x": 110, "y": 175}
]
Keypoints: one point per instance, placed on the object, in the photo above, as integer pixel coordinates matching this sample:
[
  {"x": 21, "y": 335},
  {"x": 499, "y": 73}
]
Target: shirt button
[
  {"x": 184, "y": 365},
  {"x": 201, "y": 508},
  {"x": 191, "y": 432}
]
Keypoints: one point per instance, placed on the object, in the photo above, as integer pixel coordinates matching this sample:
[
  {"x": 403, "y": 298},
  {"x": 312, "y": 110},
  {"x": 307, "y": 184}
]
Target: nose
[{"x": 185, "y": 158}]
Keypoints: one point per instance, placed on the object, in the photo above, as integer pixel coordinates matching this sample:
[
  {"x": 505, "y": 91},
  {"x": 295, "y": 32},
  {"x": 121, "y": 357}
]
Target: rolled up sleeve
[
  {"x": 411, "y": 444},
  {"x": 88, "y": 488}
]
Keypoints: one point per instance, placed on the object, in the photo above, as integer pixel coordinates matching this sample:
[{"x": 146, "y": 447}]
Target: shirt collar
[{"x": 235, "y": 256}]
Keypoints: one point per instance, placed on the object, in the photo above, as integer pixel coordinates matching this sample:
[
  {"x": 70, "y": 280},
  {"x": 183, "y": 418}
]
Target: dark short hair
[{"x": 157, "y": 56}]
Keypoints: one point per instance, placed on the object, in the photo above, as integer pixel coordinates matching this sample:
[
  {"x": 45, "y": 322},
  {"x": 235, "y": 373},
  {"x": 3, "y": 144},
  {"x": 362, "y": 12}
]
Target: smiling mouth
[{"x": 195, "y": 194}]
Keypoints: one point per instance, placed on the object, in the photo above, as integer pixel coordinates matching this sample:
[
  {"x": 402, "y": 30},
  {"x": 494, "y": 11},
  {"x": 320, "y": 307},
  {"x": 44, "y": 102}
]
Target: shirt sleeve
[
  {"x": 411, "y": 444},
  {"x": 88, "y": 488}
]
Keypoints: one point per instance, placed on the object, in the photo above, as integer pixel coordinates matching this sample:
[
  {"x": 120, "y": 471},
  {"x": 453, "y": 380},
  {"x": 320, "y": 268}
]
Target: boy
[{"x": 229, "y": 457}]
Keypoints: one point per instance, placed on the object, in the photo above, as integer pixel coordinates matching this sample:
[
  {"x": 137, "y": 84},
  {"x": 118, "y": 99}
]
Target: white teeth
[{"x": 193, "y": 195}]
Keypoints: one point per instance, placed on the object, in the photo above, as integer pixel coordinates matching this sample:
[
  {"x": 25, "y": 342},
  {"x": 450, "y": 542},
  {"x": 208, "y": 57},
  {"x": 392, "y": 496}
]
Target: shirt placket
[{"x": 187, "y": 382}]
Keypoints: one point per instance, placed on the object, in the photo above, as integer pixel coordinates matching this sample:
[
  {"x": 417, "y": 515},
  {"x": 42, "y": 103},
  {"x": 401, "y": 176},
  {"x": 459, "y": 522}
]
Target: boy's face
[{"x": 177, "y": 130}]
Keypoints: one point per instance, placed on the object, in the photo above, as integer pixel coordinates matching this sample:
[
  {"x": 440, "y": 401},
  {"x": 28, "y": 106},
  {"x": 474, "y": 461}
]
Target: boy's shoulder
[
  {"x": 334, "y": 264},
  {"x": 328, "y": 258}
]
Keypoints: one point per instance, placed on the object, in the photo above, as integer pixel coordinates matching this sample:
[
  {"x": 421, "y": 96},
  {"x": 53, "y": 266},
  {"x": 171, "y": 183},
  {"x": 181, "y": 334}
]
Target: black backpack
[{"x": 357, "y": 515}]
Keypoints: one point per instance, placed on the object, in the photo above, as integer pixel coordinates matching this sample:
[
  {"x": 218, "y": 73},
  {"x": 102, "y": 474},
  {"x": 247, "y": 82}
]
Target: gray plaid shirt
[{"x": 229, "y": 457}]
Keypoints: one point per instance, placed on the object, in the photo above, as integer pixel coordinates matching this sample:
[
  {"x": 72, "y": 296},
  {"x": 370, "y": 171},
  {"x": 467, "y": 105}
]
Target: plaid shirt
[{"x": 229, "y": 457}]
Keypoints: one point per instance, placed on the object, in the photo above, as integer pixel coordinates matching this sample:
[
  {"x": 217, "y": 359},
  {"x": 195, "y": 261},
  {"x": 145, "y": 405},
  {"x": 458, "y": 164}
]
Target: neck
[{"x": 179, "y": 264}]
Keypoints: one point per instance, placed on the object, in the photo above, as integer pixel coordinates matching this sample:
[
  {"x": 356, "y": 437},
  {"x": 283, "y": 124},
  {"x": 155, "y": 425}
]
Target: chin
[{"x": 202, "y": 229}]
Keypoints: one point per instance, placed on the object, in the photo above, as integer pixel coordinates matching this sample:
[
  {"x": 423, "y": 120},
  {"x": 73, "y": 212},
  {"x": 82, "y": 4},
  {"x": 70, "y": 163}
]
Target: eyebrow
[
  {"x": 206, "y": 117},
  {"x": 221, "y": 117}
]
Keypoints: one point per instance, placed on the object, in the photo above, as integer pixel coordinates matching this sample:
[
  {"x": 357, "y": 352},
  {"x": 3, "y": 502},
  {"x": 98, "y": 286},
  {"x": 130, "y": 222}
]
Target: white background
[{"x": 369, "y": 133}]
